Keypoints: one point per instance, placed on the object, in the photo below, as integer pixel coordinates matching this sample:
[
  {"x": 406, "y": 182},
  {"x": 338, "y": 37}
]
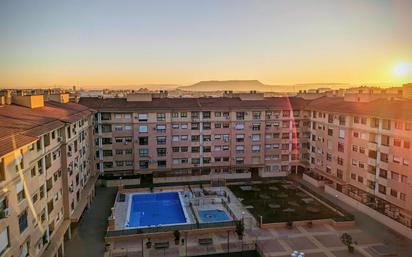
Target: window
[
  {"x": 256, "y": 137},
  {"x": 240, "y": 149},
  {"x": 339, "y": 173},
  {"x": 106, "y": 140},
  {"x": 175, "y": 115},
  {"x": 341, "y": 147},
  {"x": 143, "y": 128},
  {"x": 383, "y": 173},
  {"x": 161, "y": 140},
  {"x": 143, "y": 164},
  {"x": 395, "y": 176},
  {"x": 240, "y": 138},
  {"x": 386, "y": 124},
  {"x": 23, "y": 221},
  {"x": 240, "y": 115},
  {"x": 397, "y": 142},
  {"x": 142, "y": 116},
  {"x": 161, "y": 151},
  {"x": 106, "y": 116},
  {"x": 398, "y": 125},
  {"x": 374, "y": 123},
  {"x": 406, "y": 144},
  {"x": 256, "y": 115},
  {"x": 160, "y": 128},
  {"x": 206, "y": 115},
  {"x": 183, "y": 114},
  {"x": 382, "y": 189},
  {"x": 107, "y": 165},
  {"x": 239, "y": 126},
  {"x": 341, "y": 133},
  {"x": 384, "y": 157},
  {"x": 107, "y": 153},
  {"x": 143, "y": 152},
  {"x": 20, "y": 191},
  {"x": 161, "y": 164},
  {"x": 4, "y": 240},
  {"x": 354, "y": 148},
  {"x": 385, "y": 140},
  {"x": 255, "y": 148},
  {"x": 160, "y": 116},
  {"x": 143, "y": 140}
]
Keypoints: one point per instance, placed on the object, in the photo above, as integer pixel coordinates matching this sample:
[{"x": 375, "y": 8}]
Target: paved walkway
[
  {"x": 384, "y": 234},
  {"x": 87, "y": 237}
]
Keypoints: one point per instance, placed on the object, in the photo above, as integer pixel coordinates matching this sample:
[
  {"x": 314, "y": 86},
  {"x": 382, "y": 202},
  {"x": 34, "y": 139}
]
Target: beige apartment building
[
  {"x": 45, "y": 175},
  {"x": 358, "y": 144},
  {"x": 363, "y": 149},
  {"x": 200, "y": 139}
]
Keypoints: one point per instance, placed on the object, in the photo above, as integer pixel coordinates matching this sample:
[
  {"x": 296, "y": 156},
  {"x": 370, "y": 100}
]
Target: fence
[
  {"x": 346, "y": 215},
  {"x": 161, "y": 229}
]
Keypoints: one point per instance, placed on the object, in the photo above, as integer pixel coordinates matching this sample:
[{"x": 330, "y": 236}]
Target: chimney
[
  {"x": 30, "y": 101},
  {"x": 6, "y": 96},
  {"x": 60, "y": 98}
]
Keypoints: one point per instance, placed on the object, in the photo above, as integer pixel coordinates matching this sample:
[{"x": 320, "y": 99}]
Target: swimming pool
[
  {"x": 155, "y": 209},
  {"x": 215, "y": 215}
]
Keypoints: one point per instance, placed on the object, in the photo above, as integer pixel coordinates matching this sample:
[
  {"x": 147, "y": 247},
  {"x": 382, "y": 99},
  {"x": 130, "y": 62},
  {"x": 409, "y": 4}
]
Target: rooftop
[
  {"x": 382, "y": 108},
  {"x": 20, "y": 125}
]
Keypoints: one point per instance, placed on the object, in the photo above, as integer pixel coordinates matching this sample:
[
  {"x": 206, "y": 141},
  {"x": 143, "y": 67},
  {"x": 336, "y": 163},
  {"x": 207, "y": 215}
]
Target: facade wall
[
  {"x": 366, "y": 157},
  {"x": 186, "y": 142},
  {"x": 35, "y": 181}
]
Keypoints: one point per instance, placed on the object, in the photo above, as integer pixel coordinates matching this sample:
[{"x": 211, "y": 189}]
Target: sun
[{"x": 403, "y": 68}]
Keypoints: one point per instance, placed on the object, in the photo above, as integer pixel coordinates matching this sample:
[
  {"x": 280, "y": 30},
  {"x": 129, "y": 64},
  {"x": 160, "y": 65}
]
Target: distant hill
[{"x": 247, "y": 85}]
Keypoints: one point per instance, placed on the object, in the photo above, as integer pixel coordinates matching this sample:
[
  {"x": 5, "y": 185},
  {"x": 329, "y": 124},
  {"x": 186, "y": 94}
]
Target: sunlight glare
[{"x": 403, "y": 68}]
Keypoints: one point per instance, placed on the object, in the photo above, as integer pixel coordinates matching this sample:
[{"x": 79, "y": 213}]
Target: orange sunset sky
[{"x": 102, "y": 43}]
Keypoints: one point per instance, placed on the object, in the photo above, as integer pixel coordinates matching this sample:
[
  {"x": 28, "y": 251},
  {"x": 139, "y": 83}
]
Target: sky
[{"x": 120, "y": 42}]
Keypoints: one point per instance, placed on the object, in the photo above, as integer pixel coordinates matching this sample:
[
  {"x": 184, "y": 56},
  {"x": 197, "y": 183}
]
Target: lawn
[{"x": 281, "y": 201}]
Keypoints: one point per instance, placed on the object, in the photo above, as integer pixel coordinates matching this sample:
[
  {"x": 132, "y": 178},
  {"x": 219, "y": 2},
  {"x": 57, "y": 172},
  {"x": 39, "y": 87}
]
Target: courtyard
[{"x": 282, "y": 201}]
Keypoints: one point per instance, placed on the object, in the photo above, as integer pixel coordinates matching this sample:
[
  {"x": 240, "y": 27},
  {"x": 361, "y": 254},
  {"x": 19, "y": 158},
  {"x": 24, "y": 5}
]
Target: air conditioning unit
[
  {"x": 59, "y": 139},
  {"x": 6, "y": 212}
]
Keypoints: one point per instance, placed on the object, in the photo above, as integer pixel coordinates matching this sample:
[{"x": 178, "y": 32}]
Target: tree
[
  {"x": 240, "y": 229},
  {"x": 347, "y": 240},
  {"x": 176, "y": 233}
]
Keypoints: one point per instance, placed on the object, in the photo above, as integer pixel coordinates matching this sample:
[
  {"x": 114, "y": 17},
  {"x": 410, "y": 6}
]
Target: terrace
[{"x": 283, "y": 201}]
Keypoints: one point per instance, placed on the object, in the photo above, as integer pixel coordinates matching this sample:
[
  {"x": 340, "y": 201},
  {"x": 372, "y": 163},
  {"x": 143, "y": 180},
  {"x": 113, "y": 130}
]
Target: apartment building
[
  {"x": 363, "y": 149},
  {"x": 192, "y": 139},
  {"x": 45, "y": 172},
  {"x": 358, "y": 144}
]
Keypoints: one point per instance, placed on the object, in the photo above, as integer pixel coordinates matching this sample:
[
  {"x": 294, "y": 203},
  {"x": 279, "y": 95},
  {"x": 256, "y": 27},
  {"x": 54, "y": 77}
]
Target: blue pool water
[
  {"x": 213, "y": 216},
  {"x": 155, "y": 209}
]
